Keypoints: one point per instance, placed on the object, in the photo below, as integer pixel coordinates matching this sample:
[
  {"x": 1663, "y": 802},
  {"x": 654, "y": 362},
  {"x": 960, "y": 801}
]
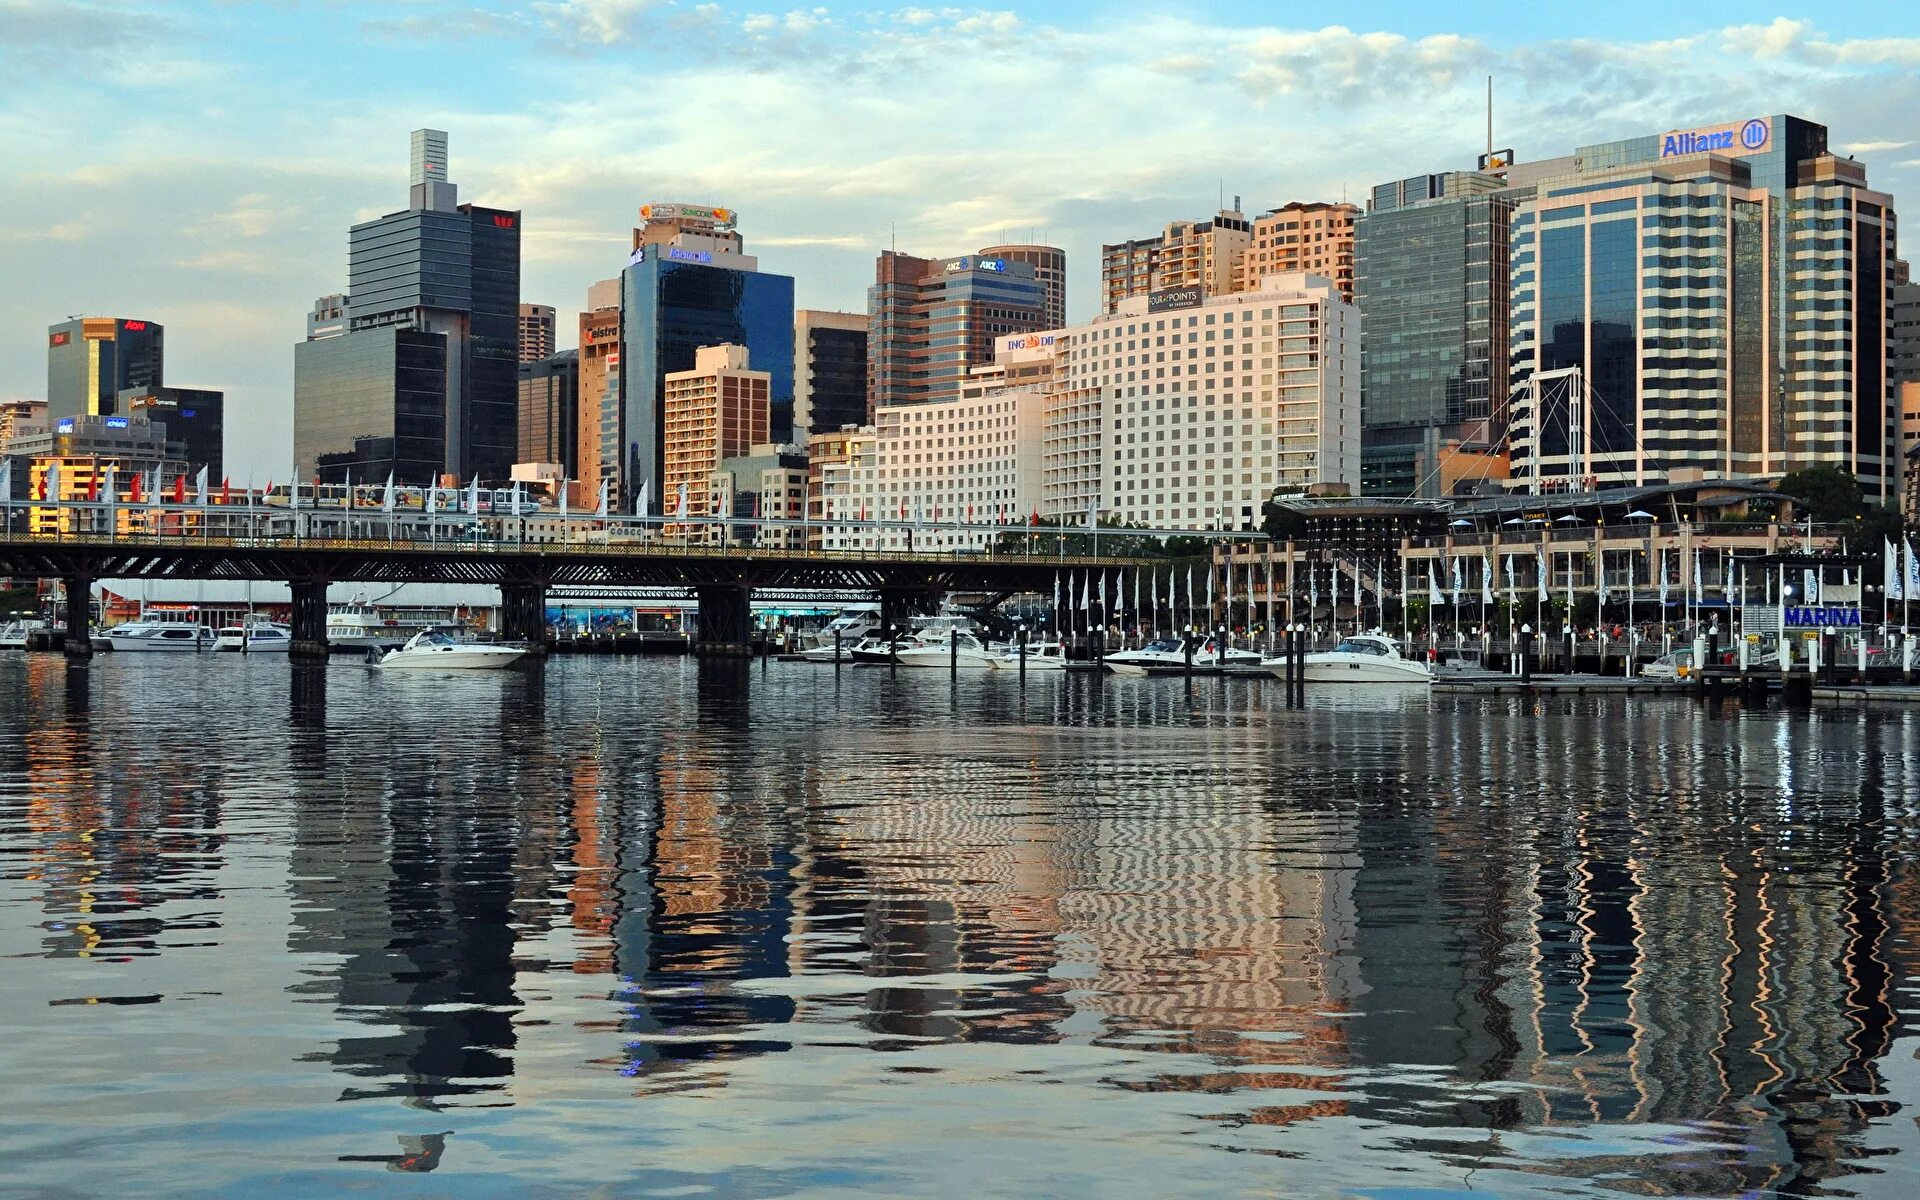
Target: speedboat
[
  {"x": 254, "y": 637},
  {"x": 1359, "y": 658},
  {"x": 957, "y": 648},
  {"x": 850, "y": 626},
  {"x": 874, "y": 648},
  {"x": 1212, "y": 655},
  {"x": 1160, "y": 654},
  {"x": 155, "y": 633},
  {"x": 1675, "y": 665},
  {"x": 431, "y": 650},
  {"x": 1040, "y": 656}
]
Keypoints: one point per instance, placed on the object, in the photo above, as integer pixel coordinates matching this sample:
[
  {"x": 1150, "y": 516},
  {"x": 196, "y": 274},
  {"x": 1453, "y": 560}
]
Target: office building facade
[
  {"x": 441, "y": 269},
  {"x": 194, "y": 419},
  {"x": 1049, "y": 265},
  {"x": 691, "y": 290},
  {"x": 1712, "y": 300},
  {"x": 537, "y": 331},
  {"x": 598, "y": 422},
  {"x": 829, "y": 370},
  {"x": 369, "y": 403},
  {"x": 933, "y": 320},
  {"x": 1204, "y": 255},
  {"x": 1431, "y": 278},
  {"x": 550, "y": 412},
  {"x": 91, "y": 360},
  {"x": 329, "y": 317}
]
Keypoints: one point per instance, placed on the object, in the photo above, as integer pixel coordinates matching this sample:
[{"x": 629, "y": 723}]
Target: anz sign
[{"x": 1739, "y": 137}]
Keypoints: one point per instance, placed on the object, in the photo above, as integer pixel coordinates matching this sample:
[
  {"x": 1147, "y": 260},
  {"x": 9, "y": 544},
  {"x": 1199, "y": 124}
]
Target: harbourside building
[
  {"x": 424, "y": 380},
  {"x": 598, "y": 421},
  {"x": 933, "y": 320},
  {"x": 1712, "y": 300},
  {"x": 549, "y": 410},
  {"x": 194, "y": 418},
  {"x": 1049, "y": 265},
  {"x": 1199, "y": 408}
]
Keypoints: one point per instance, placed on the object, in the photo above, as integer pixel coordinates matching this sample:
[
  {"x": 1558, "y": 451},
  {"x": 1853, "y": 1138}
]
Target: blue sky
[{"x": 198, "y": 164}]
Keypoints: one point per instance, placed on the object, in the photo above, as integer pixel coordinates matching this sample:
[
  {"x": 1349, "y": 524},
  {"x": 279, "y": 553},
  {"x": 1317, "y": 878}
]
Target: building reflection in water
[{"x": 1492, "y": 916}]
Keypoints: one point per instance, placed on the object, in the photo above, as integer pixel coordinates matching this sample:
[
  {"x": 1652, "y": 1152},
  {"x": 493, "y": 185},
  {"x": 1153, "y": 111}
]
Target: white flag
[
  {"x": 684, "y": 510},
  {"x": 1509, "y": 566},
  {"x": 1541, "y": 574},
  {"x": 473, "y": 496},
  {"x": 200, "y": 487},
  {"x": 1086, "y": 592},
  {"x": 430, "y": 500},
  {"x": 1335, "y": 603},
  {"x": 1699, "y": 581},
  {"x": 644, "y": 504},
  {"x": 1093, "y": 512},
  {"x": 563, "y": 497},
  {"x": 1600, "y": 573},
  {"x": 6, "y": 480},
  {"x": 386, "y": 497},
  {"x": 1663, "y": 577},
  {"x": 52, "y": 482},
  {"x": 1190, "y": 593},
  {"x": 1912, "y": 588},
  {"x": 1890, "y": 560},
  {"x": 1486, "y": 578},
  {"x": 603, "y": 497},
  {"x": 1457, "y": 580},
  {"x": 1433, "y": 587}
]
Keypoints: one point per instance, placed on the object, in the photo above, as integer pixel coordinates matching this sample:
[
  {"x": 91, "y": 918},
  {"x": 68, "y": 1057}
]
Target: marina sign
[{"x": 1822, "y": 617}]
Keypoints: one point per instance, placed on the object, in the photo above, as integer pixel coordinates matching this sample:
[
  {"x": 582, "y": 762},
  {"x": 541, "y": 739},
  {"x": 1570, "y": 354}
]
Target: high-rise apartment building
[
  {"x": 1202, "y": 255},
  {"x": 1049, "y": 265},
  {"x": 440, "y": 270},
  {"x": 688, "y": 284},
  {"x": 932, "y": 320},
  {"x": 90, "y": 360},
  {"x": 1712, "y": 299},
  {"x": 550, "y": 412},
  {"x": 829, "y": 370},
  {"x": 16, "y": 416},
  {"x": 1315, "y": 238},
  {"x": 537, "y": 330},
  {"x": 716, "y": 411},
  {"x": 1431, "y": 279}
]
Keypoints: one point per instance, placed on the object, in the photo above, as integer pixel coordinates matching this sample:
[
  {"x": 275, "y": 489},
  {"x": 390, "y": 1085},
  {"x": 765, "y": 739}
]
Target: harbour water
[{"x": 663, "y": 928}]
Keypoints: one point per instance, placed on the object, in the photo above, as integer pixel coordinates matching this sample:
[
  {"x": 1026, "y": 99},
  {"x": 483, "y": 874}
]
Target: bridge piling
[
  {"x": 309, "y": 620},
  {"x": 523, "y": 615},
  {"x": 726, "y": 622},
  {"x": 79, "y": 644}
]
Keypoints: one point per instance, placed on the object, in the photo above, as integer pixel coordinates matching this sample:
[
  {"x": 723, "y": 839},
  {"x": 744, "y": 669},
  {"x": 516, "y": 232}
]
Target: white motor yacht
[
  {"x": 254, "y": 637},
  {"x": 851, "y": 626},
  {"x": 157, "y": 633},
  {"x": 1360, "y": 658},
  {"x": 360, "y": 626},
  {"x": 1041, "y": 656},
  {"x": 957, "y": 648},
  {"x": 1674, "y": 665},
  {"x": 431, "y": 650}
]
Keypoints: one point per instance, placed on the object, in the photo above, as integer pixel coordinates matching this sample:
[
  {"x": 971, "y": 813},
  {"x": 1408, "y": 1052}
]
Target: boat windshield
[
  {"x": 1162, "y": 646},
  {"x": 1353, "y": 647},
  {"x": 434, "y": 637}
]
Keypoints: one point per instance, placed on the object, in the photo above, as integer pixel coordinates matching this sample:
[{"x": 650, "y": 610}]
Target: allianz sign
[{"x": 1741, "y": 137}]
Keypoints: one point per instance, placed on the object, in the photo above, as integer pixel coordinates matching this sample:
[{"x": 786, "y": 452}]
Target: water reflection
[{"x": 1551, "y": 944}]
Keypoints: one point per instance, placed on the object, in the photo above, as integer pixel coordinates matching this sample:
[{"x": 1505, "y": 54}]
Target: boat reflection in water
[{"x": 1122, "y": 937}]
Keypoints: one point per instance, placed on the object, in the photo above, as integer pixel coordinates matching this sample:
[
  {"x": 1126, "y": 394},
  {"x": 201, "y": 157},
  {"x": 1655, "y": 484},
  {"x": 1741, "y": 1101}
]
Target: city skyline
[{"x": 174, "y": 213}]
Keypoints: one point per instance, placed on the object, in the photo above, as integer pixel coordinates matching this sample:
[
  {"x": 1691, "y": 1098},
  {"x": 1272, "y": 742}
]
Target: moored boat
[
  {"x": 431, "y": 650},
  {"x": 146, "y": 634},
  {"x": 1360, "y": 658},
  {"x": 253, "y": 637}
]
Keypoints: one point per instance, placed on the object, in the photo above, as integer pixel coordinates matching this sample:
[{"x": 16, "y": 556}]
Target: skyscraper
[
  {"x": 1711, "y": 300},
  {"x": 715, "y": 411},
  {"x": 195, "y": 420},
  {"x": 598, "y": 424},
  {"x": 1312, "y": 237},
  {"x": 437, "y": 269},
  {"x": 687, "y": 285},
  {"x": 91, "y": 359},
  {"x": 537, "y": 329},
  {"x": 829, "y": 370},
  {"x": 931, "y": 320}
]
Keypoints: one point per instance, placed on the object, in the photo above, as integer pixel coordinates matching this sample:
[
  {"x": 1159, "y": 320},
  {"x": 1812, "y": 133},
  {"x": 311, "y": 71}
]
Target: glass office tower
[
  {"x": 369, "y": 403},
  {"x": 671, "y": 308},
  {"x": 90, "y": 360},
  {"x": 1430, "y": 278}
]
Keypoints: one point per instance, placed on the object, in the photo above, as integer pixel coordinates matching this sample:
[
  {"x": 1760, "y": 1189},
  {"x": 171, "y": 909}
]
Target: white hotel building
[{"x": 1175, "y": 411}]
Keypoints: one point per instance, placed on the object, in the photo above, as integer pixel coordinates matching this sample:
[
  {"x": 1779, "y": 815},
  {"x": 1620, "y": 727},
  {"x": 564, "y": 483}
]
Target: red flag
[
  {"x": 1035, "y": 518},
  {"x": 179, "y": 489},
  {"x": 93, "y": 485},
  {"x": 903, "y": 510},
  {"x": 226, "y": 490},
  {"x": 133, "y": 489},
  {"x": 969, "y": 514},
  {"x": 41, "y": 491},
  {"x": 264, "y": 493}
]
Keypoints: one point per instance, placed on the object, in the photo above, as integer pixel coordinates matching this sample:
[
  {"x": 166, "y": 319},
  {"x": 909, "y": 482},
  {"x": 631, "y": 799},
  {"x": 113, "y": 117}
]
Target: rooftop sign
[
  {"x": 1736, "y": 138},
  {"x": 721, "y": 217},
  {"x": 1173, "y": 298}
]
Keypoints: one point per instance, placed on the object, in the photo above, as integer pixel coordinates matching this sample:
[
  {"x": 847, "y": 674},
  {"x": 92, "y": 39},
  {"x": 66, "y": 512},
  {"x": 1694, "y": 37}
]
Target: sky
[{"x": 199, "y": 164}]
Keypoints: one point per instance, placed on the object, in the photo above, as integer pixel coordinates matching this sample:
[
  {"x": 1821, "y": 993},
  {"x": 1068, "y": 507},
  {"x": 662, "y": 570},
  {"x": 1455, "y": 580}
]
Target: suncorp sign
[{"x": 1737, "y": 138}]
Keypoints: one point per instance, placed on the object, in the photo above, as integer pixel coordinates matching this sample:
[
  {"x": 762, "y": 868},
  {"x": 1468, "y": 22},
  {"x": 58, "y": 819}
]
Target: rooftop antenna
[{"x": 1489, "y": 119}]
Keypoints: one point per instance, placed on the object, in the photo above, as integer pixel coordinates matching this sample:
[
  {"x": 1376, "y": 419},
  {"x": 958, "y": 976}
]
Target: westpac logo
[{"x": 1736, "y": 137}]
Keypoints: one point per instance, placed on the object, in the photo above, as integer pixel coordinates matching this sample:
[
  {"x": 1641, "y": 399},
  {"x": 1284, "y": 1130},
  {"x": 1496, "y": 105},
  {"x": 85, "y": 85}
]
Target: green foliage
[{"x": 1830, "y": 496}]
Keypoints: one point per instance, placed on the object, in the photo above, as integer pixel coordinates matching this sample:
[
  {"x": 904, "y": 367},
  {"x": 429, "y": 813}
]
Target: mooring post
[{"x": 1526, "y": 656}]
